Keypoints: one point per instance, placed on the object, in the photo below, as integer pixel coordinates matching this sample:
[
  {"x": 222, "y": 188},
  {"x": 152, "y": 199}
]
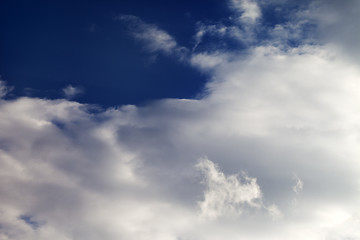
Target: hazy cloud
[
  {"x": 154, "y": 39},
  {"x": 298, "y": 184},
  {"x": 4, "y": 89},
  {"x": 248, "y": 9},
  {"x": 71, "y": 92}
]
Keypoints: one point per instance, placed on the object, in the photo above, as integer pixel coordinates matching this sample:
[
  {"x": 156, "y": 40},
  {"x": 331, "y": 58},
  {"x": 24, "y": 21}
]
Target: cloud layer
[{"x": 269, "y": 150}]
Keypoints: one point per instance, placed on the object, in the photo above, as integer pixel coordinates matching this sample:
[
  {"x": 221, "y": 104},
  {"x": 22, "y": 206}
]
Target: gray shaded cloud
[{"x": 338, "y": 25}]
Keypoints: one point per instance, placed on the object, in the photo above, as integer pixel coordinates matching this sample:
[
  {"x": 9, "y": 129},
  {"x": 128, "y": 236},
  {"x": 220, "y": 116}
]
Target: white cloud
[
  {"x": 248, "y": 9},
  {"x": 226, "y": 194},
  {"x": 208, "y": 61}
]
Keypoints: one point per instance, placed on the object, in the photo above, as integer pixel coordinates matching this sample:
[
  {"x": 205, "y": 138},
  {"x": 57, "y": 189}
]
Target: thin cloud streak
[{"x": 154, "y": 39}]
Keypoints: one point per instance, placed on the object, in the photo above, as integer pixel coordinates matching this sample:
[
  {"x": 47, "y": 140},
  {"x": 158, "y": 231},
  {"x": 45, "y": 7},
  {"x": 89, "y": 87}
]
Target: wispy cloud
[
  {"x": 4, "y": 88},
  {"x": 71, "y": 92},
  {"x": 248, "y": 9},
  {"x": 298, "y": 187},
  {"x": 154, "y": 39}
]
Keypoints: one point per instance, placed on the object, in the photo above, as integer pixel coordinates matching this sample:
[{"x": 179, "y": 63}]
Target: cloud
[
  {"x": 70, "y": 92},
  {"x": 285, "y": 25},
  {"x": 298, "y": 184},
  {"x": 226, "y": 194},
  {"x": 4, "y": 89},
  {"x": 224, "y": 36},
  {"x": 58, "y": 176},
  {"x": 337, "y": 25},
  {"x": 129, "y": 172},
  {"x": 132, "y": 172},
  {"x": 248, "y": 9},
  {"x": 155, "y": 39},
  {"x": 208, "y": 61}
]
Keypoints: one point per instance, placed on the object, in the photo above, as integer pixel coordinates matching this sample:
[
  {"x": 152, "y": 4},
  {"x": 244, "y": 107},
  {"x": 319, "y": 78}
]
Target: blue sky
[
  {"x": 49, "y": 45},
  {"x": 179, "y": 120}
]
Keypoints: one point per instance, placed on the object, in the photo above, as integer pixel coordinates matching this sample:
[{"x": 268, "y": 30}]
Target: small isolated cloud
[
  {"x": 71, "y": 92},
  {"x": 4, "y": 89},
  {"x": 154, "y": 38},
  {"x": 299, "y": 185}
]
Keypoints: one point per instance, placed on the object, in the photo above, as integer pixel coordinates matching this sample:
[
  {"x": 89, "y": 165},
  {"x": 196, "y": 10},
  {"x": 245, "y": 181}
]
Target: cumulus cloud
[
  {"x": 226, "y": 194},
  {"x": 57, "y": 178},
  {"x": 69, "y": 171}
]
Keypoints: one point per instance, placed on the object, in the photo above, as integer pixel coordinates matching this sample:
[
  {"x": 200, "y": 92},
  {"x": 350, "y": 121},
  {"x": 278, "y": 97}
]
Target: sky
[{"x": 180, "y": 120}]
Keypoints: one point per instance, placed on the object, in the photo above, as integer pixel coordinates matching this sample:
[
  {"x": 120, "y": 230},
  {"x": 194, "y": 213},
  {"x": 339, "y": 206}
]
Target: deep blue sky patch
[{"x": 48, "y": 45}]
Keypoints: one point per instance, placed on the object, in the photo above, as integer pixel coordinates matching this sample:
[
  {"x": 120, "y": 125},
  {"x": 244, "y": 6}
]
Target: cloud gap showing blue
[{"x": 30, "y": 221}]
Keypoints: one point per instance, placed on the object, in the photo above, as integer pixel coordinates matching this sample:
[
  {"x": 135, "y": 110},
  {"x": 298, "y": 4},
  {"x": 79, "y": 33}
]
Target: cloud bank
[{"x": 279, "y": 127}]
